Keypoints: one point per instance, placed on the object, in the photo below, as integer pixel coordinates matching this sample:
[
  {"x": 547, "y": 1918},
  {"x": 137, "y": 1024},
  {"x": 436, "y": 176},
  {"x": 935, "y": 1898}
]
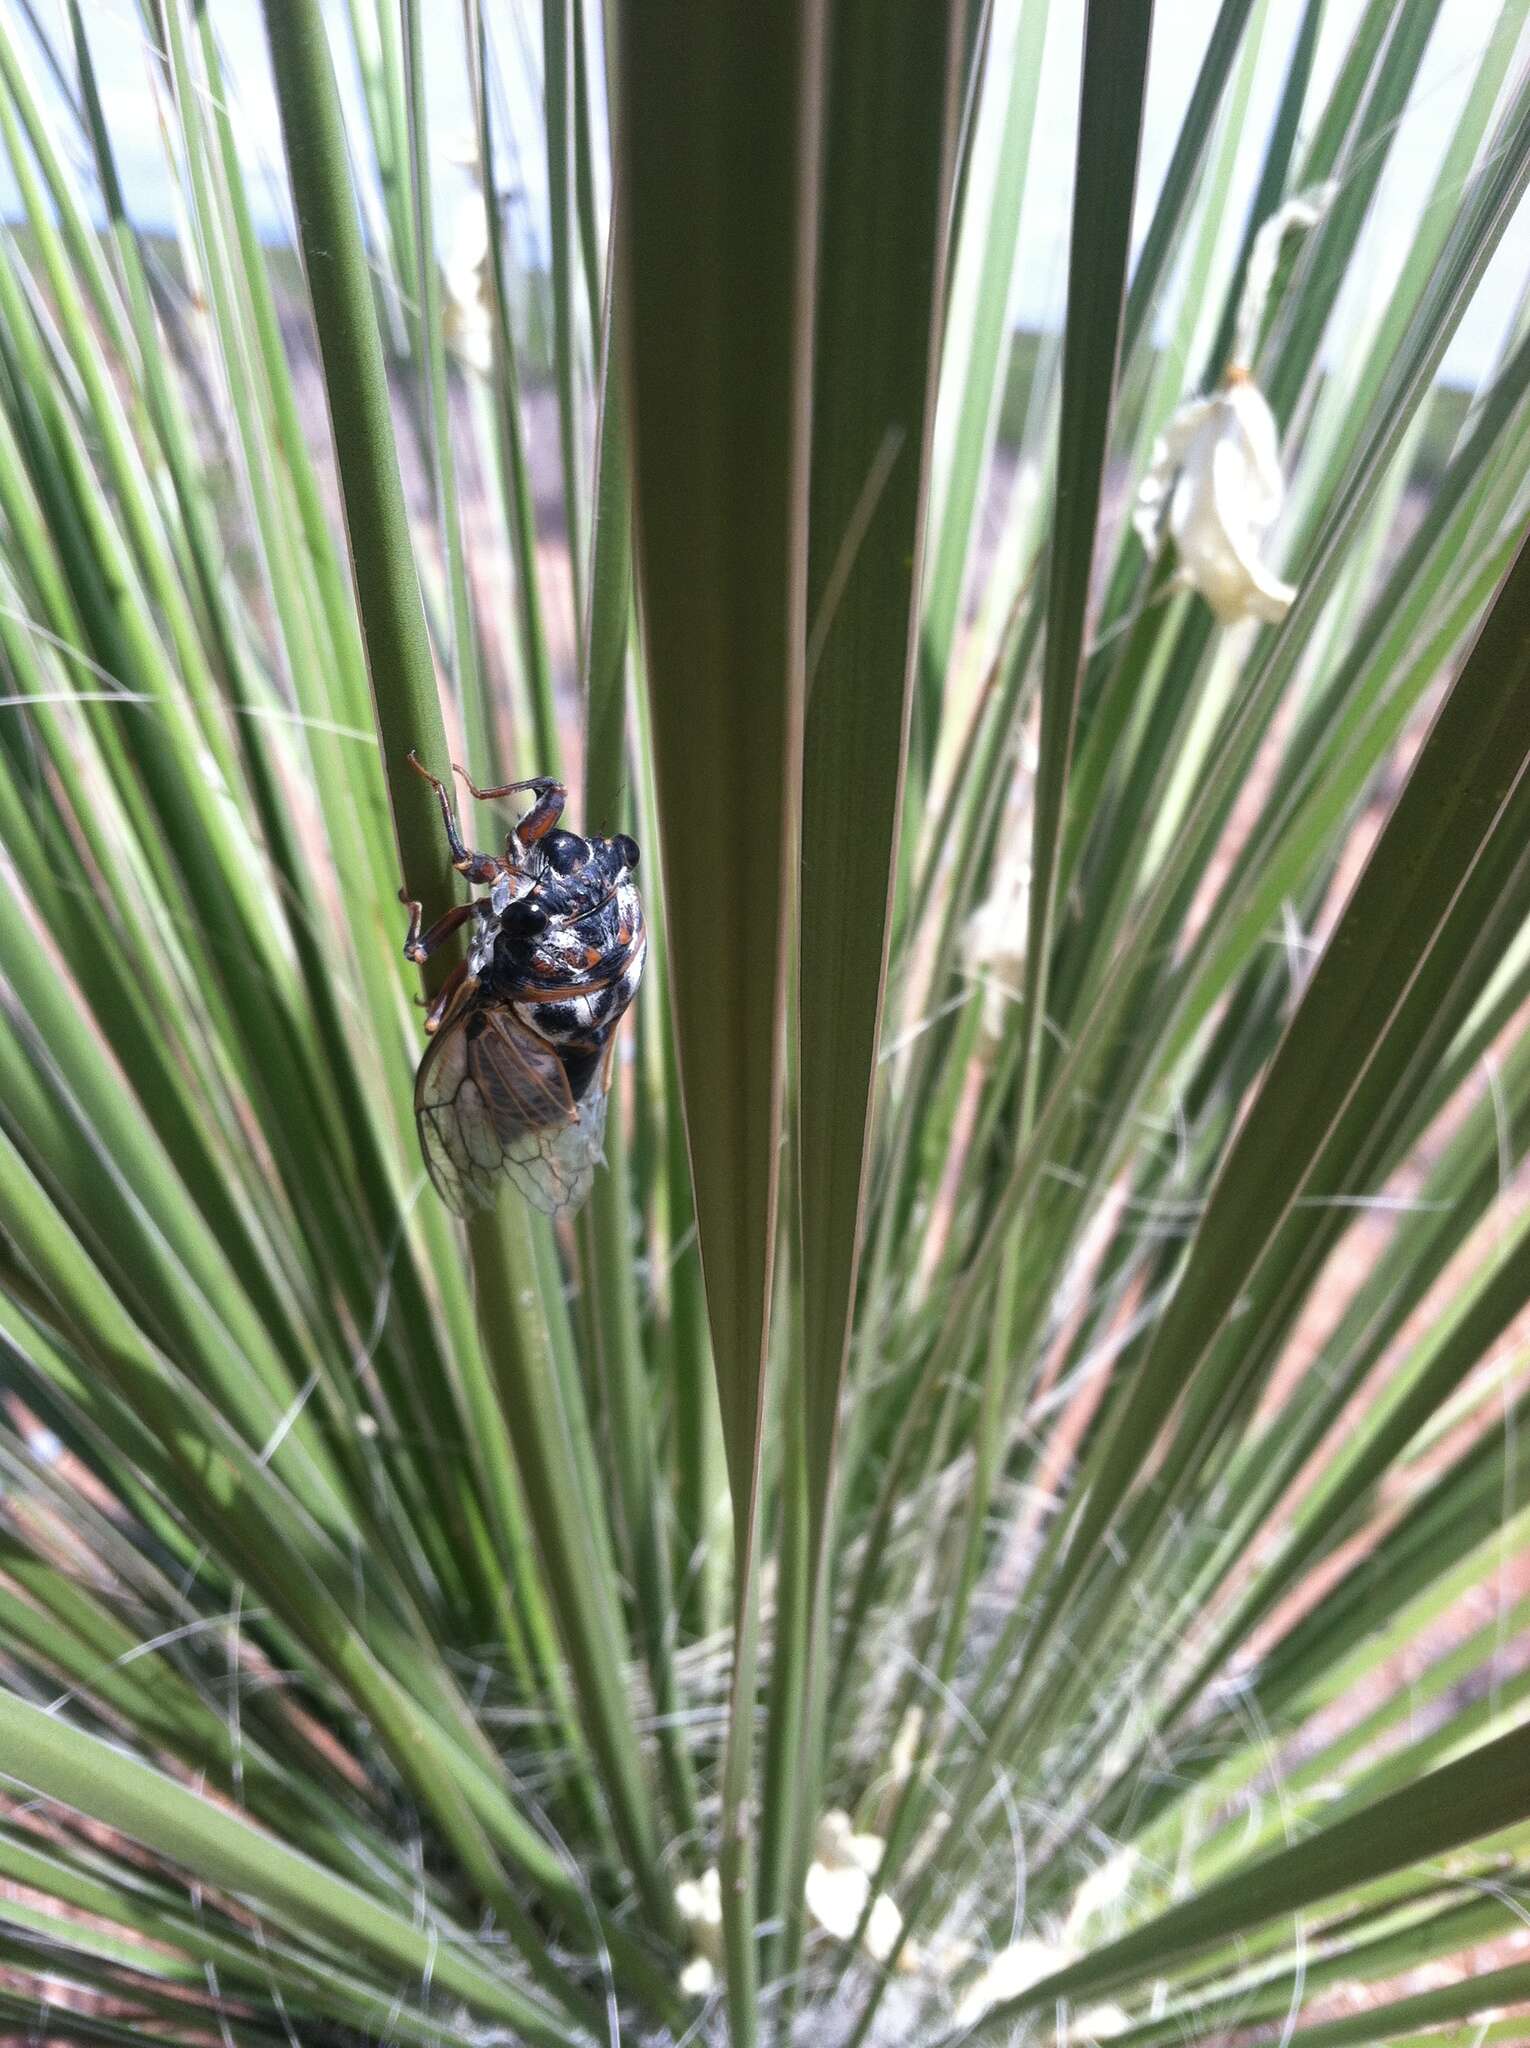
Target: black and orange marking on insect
[{"x": 515, "y": 1080}]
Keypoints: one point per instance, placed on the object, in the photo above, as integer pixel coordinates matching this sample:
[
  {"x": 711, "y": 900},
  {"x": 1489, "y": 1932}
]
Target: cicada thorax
[{"x": 567, "y": 954}]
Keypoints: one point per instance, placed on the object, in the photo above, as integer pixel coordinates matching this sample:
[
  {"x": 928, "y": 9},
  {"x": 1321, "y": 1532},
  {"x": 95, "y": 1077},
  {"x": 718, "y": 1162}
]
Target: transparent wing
[
  {"x": 575, "y": 1151},
  {"x": 492, "y": 1103}
]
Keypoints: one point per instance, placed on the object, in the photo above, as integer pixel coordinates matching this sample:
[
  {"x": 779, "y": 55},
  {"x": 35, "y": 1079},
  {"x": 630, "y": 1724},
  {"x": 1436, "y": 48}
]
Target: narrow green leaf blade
[
  {"x": 1116, "y": 37},
  {"x": 717, "y": 137},
  {"x": 893, "y": 104}
]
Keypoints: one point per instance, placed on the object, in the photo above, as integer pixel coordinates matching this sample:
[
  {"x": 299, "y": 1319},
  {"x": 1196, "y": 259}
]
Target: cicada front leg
[
  {"x": 418, "y": 945},
  {"x": 478, "y": 867},
  {"x": 551, "y": 797}
]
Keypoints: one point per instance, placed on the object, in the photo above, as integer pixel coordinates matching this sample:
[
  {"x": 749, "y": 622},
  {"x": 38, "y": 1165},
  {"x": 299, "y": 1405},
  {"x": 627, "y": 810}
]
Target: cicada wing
[
  {"x": 492, "y": 1102},
  {"x": 574, "y": 1152}
]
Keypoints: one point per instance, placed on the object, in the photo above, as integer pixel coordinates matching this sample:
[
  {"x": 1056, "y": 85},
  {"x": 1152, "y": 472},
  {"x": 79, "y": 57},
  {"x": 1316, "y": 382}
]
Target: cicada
[{"x": 515, "y": 1080}]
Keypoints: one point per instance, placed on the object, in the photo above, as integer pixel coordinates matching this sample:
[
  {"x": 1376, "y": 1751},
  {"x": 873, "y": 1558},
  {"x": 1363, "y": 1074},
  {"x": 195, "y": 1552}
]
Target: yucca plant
[{"x": 1005, "y": 1515}]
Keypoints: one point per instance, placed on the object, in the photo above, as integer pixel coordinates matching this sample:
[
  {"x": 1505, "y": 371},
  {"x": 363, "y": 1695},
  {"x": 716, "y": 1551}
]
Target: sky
[{"x": 1180, "y": 35}]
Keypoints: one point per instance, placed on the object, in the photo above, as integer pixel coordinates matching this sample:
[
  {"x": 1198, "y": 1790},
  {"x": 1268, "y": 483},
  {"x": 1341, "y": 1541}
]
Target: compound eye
[
  {"x": 627, "y": 850},
  {"x": 565, "y": 851},
  {"x": 525, "y": 919}
]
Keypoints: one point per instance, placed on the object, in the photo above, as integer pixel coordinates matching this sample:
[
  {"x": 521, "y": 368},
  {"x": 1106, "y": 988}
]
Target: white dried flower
[
  {"x": 1215, "y": 480},
  {"x": 1013, "y": 1970},
  {"x": 838, "y": 1887},
  {"x": 839, "y": 1847},
  {"x": 1098, "y": 2023},
  {"x": 698, "y": 1901},
  {"x": 698, "y": 1979},
  {"x": 1215, "y": 476},
  {"x": 836, "y": 1899},
  {"x": 1105, "y": 1887},
  {"x": 465, "y": 273}
]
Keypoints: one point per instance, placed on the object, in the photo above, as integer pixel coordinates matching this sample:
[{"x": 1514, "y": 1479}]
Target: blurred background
[{"x": 133, "y": 94}]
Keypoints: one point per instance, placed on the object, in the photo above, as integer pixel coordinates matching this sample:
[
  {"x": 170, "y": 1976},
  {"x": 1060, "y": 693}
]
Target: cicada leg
[
  {"x": 457, "y": 983},
  {"x": 478, "y": 867},
  {"x": 551, "y": 797},
  {"x": 418, "y": 945}
]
